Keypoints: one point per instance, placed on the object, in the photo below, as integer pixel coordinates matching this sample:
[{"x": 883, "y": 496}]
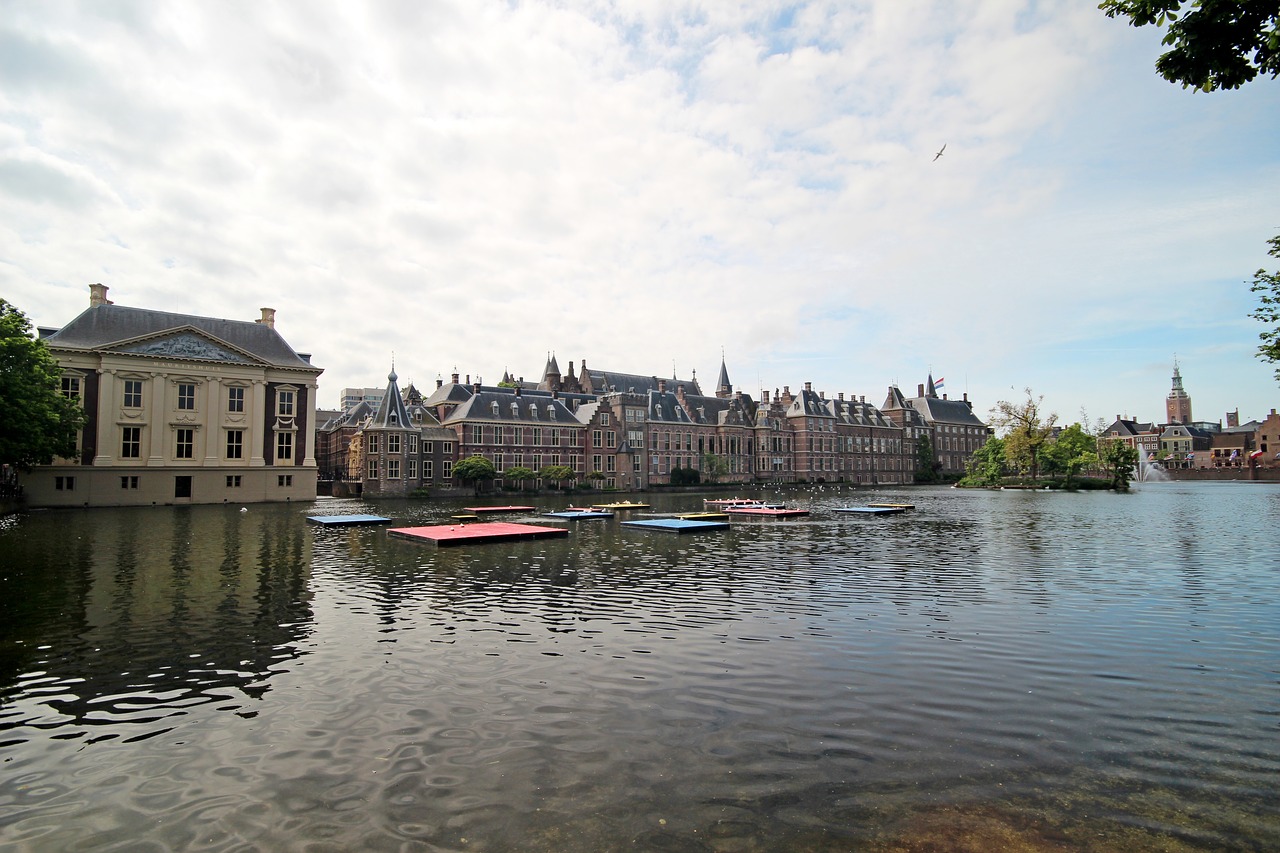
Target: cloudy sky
[{"x": 469, "y": 185}]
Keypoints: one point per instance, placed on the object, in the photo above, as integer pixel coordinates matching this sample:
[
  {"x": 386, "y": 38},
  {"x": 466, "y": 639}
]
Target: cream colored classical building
[{"x": 181, "y": 409}]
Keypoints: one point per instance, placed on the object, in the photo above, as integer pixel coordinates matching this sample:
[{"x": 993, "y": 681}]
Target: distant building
[
  {"x": 181, "y": 409},
  {"x": 955, "y": 431},
  {"x": 1177, "y": 405},
  {"x": 354, "y": 396}
]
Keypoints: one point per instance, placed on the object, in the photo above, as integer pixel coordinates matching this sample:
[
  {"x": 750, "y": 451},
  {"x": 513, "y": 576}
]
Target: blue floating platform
[
  {"x": 579, "y": 514},
  {"x": 677, "y": 525},
  {"x": 873, "y": 510},
  {"x": 347, "y": 520}
]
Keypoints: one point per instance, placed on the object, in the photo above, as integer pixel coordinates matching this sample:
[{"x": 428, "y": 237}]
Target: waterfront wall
[{"x": 1264, "y": 475}]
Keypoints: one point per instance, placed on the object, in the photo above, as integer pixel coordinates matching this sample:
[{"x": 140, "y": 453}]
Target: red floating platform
[{"x": 463, "y": 534}]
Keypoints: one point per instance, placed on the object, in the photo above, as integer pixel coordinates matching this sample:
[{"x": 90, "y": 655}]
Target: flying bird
[{"x": 940, "y": 150}]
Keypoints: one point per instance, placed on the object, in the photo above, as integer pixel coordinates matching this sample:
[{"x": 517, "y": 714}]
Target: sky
[{"x": 468, "y": 186}]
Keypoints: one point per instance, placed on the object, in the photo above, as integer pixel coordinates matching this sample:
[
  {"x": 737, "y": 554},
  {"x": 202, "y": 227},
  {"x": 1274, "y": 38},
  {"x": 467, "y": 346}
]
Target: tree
[
  {"x": 986, "y": 466},
  {"x": 1216, "y": 44},
  {"x": 518, "y": 474},
  {"x": 1118, "y": 460},
  {"x": 1267, "y": 286},
  {"x": 1026, "y": 434},
  {"x": 1072, "y": 451},
  {"x": 559, "y": 474},
  {"x": 475, "y": 469},
  {"x": 37, "y": 421},
  {"x": 714, "y": 467},
  {"x": 926, "y": 461}
]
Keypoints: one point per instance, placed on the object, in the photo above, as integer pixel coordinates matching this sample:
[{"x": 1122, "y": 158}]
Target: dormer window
[
  {"x": 494, "y": 407},
  {"x": 533, "y": 410},
  {"x": 515, "y": 410}
]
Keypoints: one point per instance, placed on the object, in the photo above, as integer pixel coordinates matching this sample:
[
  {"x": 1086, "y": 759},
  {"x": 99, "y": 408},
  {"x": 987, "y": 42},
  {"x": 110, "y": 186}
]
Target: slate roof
[
  {"x": 391, "y": 413},
  {"x": 481, "y": 406},
  {"x": 102, "y": 326},
  {"x": 603, "y": 381},
  {"x": 937, "y": 410}
]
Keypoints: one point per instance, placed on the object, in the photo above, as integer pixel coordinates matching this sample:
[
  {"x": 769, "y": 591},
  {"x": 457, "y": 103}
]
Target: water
[{"x": 995, "y": 670}]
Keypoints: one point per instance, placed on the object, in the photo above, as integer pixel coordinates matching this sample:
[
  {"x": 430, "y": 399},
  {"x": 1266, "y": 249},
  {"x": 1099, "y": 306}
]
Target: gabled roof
[
  {"x": 602, "y": 381},
  {"x": 937, "y": 410},
  {"x": 663, "y": 406},
  {"x": 175, "y": 335}
]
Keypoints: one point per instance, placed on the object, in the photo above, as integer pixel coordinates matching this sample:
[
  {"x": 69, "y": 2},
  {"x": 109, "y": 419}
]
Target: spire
[
  {"x": 929, "y": 389},
  {"x": 724, "y": 388},
  {"x": 391, "y": 411}
]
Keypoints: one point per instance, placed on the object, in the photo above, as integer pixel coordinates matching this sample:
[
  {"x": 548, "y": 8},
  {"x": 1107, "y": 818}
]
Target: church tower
[{"x": 1177, "y": 406}]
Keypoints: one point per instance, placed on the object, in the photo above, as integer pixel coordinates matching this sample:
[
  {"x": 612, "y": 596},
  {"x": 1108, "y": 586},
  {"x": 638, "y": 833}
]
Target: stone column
[
  {"x": 158, "y": 420},
  {"x": 309, "y": 433},
  {"x": 108, "y": 432},
  {"x": 259, "y": 421},
  {"x": 212, "y": 421}
]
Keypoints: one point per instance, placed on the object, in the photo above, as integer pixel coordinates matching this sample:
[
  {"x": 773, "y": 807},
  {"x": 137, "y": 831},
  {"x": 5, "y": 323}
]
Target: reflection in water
[{"x": 1020, "y": 670}]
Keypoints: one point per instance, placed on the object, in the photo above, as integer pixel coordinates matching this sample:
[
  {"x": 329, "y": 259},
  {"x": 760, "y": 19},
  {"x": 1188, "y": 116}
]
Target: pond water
[{"x": 992, "y": 670}]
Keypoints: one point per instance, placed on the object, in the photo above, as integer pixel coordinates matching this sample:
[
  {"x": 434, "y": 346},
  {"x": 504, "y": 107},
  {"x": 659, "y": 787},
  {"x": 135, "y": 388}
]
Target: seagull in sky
[{"x": 940, "y": 150}]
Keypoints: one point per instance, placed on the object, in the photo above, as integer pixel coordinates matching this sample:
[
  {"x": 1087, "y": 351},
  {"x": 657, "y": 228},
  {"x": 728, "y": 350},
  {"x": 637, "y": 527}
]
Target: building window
[
  {"x": 393, "y": 469},
  {"x": 596, "y": 437},
  {"x": 447, "y": 447},
  {"x": 235, "y": 399},
  {"x": 413, "y": 443},
  {"x": 373, "y": 444},
  {"x": 130, "y": 482},
  {"x": 373, "y": 469},
  {"x": 427, "y": 469},
  {"x": 131, "y": 442},
  {"x": 412, "y": 472},
  {"x": 284, "y": 446},
  {"x": 185, "y": 448},
  {"x": 284, "y": 403},
  {"x": 64, "y": 484},
  {"x": 233, "y": 481},
  {"x": 186, "y": 396},
  {"x": 284, "y": 480},
  {"x": 235, "y": 444},
  {"x": 133, "y": 393},
  {"x": 477, "y": 434},
  {"x": 428, "y": 447},
  {"x": 393, "y": 443},
  {"x": 604, "y": 419},
  {"x": 446, "y": 469},
  {"x": 71, "y": 387}
]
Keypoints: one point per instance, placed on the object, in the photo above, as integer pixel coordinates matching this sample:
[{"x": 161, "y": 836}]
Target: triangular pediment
[{"x": 189, "y": 344}]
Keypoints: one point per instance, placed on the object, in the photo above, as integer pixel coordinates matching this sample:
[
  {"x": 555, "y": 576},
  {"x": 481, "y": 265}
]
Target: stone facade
[{"x": 181, "y": 409}]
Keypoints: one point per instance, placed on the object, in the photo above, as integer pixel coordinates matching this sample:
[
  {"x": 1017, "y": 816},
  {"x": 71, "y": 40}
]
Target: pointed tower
[
  {"x": 550, "y": 375},
  {"x": 724, "y": 389},
  {"x": 1177, "y": 406},
  {"x": 930, "y": 390}
]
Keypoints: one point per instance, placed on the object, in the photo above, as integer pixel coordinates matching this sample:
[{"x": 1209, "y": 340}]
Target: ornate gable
[{"x": 188, "y": 344}]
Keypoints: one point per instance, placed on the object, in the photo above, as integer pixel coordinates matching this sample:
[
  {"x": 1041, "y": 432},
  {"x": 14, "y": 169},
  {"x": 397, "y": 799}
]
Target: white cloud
[{"x": 474, "y": 184}]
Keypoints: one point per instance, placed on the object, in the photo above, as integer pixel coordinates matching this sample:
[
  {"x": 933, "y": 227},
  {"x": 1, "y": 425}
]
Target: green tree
[
  {"x": 714, "y": 467},
  {"x": 1026, "y": 432},
  {"x": 37, "y": 421},
  {"x": 476, "y": 470},
  {"x": 986, "y": 466},
  {"x": 1215, "y": 44},
  {"x": 559, "y": 474},
  {"x": 518, "y": 474},
  {"x": 1267, "y": 286},
  {"x": 1118, "y": 460},
  {"x": 926, "y": 461},
  {"x": 1070, "y": 453}
]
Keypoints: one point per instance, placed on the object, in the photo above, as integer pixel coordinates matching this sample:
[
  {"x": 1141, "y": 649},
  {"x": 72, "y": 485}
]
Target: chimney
[
  {"x": 862, "y": 398},
  {"x": 268, "y": 318},
  {"x": 662, "y": 386},
  {"x": 475, "y": 389},
  {"x": 98, "y": 295},
  {"x": 808, "y": 386},
  {"x": 840, "y": 396},
  {"x": 517, "y": 390},
  {"x": 680, "y": 392},
  {"x": 920, "y": 390},
  {"x": 439, "y": 382}
]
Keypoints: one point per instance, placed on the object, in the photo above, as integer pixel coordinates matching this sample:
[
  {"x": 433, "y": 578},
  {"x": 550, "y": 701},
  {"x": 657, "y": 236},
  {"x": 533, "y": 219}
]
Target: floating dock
[
  {"x": 472, "y": 534},
  {"x": 678, "y": 525},
  {"x": 466, "y": 516},
  {"x": 771, "y": 511},
  {"x": 580, "y": 514},
  {"x": 499, "y": 508},
  {"x": 704, "y": 516},
  {"x": 893, "y": 506},
  {"x": 873, "y": 510},
  {"x": 347, "y": 520}
]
